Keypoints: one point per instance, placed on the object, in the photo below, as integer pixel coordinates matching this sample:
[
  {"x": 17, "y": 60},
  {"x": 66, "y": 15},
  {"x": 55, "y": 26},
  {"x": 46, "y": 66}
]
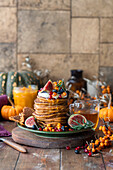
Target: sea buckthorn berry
[
  {"x": 55, "y": 83},
  {"x": 109, "y": 132},
  {"x": 100, "y": 139},
  {"x": 92, "y": 144},
  {"x": 100, "y": 128},
  {"x": 106, "y": 144},
  {"x": 105, "y": 132},
  {"x": 111, "y": 138},
  {"x": 93, "y": 150},
  {"x": 68, "y": 147},
  {"x": 102, "y": 87},
  {"x": 97, "y": 142},
  {"x": 89, "y": 149},
  {"x": 64, "y": 93},
  {"x": 70, "y": 129},
  {"x": 56, "y": 88},
  {"x": 104, "y": 91},
  {"x": 50, "y": 129},
  {"x": 105, "y": 137},
  {"x": 54, "y": 94},
  {"x": 46, "y": 129},
  {"x": 59, "y": 125},
  {"x": 48, "y": 125},
  {"x": 77, "y": 91},
  {"x": 103, "y": 128},
  {"x": 101, "y": 145},
  {"x": 53, "y": 130},
  {"x": 108, "y": 135}
]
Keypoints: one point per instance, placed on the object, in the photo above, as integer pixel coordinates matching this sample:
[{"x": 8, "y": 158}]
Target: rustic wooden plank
[
  {"x": 8, "y": 157},
  {"x": 72, "y": 161},
  {"x": 43, "y": 159}
]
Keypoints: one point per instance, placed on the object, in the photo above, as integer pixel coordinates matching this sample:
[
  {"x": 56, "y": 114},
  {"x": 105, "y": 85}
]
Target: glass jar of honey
[{"x": 25, "y": 96}]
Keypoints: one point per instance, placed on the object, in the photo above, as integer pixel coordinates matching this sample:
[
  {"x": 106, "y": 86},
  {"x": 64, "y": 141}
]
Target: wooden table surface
[{"x": 50, "y": 159}]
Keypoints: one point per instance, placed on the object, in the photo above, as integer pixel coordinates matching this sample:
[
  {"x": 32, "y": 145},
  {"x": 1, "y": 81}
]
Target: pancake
[{"x": 51, "y": 109}]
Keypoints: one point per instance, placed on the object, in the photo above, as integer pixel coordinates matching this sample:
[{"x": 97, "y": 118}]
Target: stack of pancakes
[{"x": 50, "y": 111}]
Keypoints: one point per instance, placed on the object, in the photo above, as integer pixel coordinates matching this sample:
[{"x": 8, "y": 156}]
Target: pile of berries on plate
[{"x": 58, "y": 128}]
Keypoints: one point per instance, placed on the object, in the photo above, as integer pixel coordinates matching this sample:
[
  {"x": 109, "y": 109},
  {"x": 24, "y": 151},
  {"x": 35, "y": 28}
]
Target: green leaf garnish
[{"x": 86, "y": 125}]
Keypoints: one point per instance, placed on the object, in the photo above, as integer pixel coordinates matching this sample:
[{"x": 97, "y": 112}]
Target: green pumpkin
[{"x": 14, "y": 79}]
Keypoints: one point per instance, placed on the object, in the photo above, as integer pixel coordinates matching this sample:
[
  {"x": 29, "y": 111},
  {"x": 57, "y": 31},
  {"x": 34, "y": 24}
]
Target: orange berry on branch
[
  {"x": 109, "y": 132},
  {"x": 97, "y": 142},
  {"x": 100, "y": 128},
  {"x": 101, "y": 145},
  {"x": 93, "y": 150},
  {"x": 103, "y": 128}
]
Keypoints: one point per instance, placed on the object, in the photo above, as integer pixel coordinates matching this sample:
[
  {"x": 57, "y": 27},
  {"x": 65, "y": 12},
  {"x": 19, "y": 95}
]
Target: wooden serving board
[{"x": 30, "y": 139}]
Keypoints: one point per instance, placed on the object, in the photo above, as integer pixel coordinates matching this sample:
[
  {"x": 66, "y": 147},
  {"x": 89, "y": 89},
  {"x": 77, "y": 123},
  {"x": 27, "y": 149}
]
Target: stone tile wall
[{"x": 58, "y": 35}]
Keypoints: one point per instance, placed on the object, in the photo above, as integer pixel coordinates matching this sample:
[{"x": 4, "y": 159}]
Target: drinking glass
[
  {"x": 25, "y": 96},
  {"x": 88, "y": 108}
]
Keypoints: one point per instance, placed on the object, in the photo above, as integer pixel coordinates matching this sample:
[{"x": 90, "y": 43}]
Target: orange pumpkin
[
  {"x": 8, "y": 111},
  {"x": 107, "y": 112}
]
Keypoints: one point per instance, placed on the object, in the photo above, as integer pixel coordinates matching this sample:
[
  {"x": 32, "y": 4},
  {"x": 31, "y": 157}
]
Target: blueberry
[
  {"x": 63, "y": 128},
  {"x": 60, "y": 91},
  {"x": 54, "y": 90},
  {"x": 77, "y": 151},
  {"x": 34, "y": 127}
]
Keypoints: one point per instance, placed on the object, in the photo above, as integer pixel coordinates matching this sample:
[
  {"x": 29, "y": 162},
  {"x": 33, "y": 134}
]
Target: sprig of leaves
[{"x": 86, "y": 125}]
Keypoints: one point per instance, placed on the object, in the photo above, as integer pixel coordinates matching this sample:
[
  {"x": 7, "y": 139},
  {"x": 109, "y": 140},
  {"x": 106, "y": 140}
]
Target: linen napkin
[{"x": 4, "y": 132}]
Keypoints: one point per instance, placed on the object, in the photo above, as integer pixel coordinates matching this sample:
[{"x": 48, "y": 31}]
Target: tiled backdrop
[{"x": 58, "y": 35}]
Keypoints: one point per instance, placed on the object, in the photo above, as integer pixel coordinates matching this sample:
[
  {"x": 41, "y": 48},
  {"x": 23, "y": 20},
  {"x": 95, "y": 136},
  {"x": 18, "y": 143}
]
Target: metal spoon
[{"x": 14, "y": 145}]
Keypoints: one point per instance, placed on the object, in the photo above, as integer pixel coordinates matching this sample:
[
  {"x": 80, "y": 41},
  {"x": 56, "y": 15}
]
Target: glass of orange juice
[
  {"x": 88, "y": 108},
  {"x": 25, "y": 96}
]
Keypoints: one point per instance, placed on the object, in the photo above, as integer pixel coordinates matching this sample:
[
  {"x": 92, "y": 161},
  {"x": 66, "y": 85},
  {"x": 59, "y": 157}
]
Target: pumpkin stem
[
  {"x": 109, "y": 104},
  {"x": 11, "y": 102}
]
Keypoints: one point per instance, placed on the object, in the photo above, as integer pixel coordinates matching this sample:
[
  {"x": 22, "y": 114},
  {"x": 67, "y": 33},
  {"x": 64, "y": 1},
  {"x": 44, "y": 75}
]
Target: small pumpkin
[
  {"x": 8, "y": 111},
  {"x": 107, "y": 112}
]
